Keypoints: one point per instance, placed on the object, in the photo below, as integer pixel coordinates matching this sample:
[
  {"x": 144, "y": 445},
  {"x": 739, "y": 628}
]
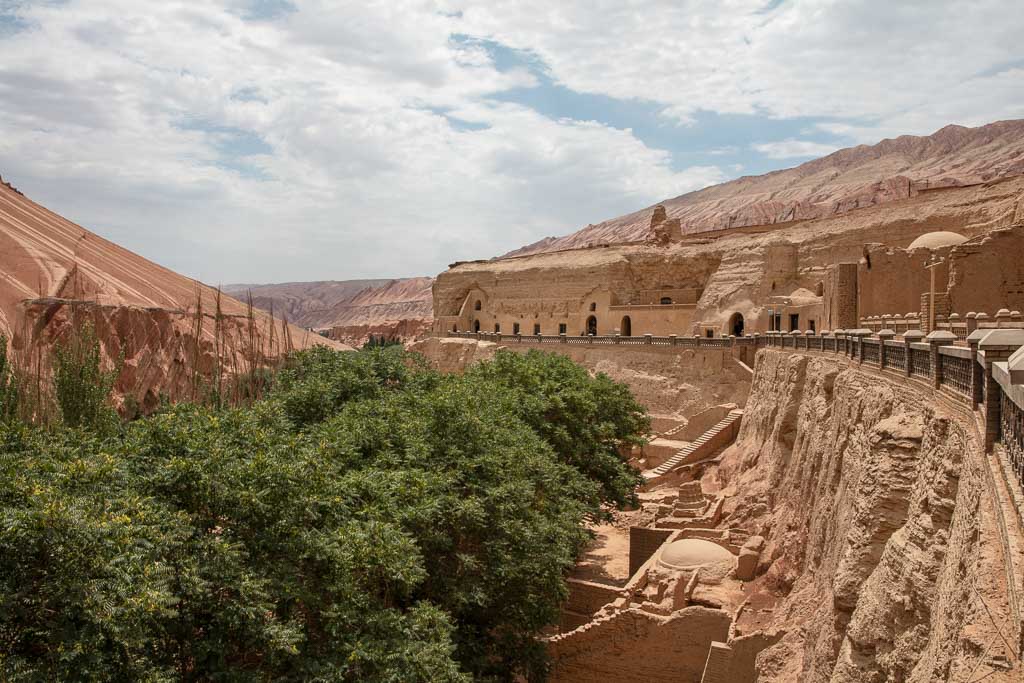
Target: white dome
[
  {"x": 693, "y": 552},
  {"x": 937, "y": 240}
]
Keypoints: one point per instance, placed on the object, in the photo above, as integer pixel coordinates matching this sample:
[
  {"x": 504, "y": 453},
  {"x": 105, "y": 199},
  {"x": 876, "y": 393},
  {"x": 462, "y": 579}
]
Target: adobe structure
[{"x": 957, "y": 247}]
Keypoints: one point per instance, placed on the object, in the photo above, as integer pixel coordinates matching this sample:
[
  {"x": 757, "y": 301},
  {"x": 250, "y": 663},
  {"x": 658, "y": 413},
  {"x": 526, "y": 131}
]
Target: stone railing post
[
  {"x": 884, "y": 336},
  {"x": 648, "y": 339},
  {"x": 861, "y": 335},
  {"x": 935, "y": 339},
  {"x": 972, "y": 322},
  {"x": 977, "y": 365},
  {"x": 1003, "y": 317},
  {"x": 618, "y": 338},
  {"x": 673, "y": 339},
  {"x": 911, "y": 337},
  {"x": 997, "y": 345}
]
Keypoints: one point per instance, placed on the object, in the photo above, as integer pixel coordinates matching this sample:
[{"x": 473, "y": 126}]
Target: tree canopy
[{"x": 370, "y": 519}]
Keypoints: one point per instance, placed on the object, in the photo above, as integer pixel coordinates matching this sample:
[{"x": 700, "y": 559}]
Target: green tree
[
  {"x": 82, "y": 387},
  {"x": 591, "y": 422}
]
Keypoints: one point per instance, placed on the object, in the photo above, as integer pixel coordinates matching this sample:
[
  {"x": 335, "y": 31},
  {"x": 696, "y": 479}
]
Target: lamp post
[{"x": 935, "y": 262}]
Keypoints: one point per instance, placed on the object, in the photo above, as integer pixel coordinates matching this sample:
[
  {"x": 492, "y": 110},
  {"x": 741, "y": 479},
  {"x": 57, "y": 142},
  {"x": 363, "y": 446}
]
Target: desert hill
[
  {"x": 56, "y": 273},
  {"x": 352, "y": 310},
  {"x": 853, "y": 178}
]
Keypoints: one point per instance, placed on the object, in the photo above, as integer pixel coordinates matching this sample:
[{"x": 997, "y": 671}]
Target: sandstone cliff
[
  {"x": 352, "y": 310},
  {"x": 882, "y": 531},
  {"x": 56, "y": 275},
  {"x": 848, "y": 179}
]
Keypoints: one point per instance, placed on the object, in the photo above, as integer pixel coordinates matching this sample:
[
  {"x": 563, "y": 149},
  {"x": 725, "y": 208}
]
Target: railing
[
  {"x": 1011, "y": 433},
  {"x": 920, "y": 360}
]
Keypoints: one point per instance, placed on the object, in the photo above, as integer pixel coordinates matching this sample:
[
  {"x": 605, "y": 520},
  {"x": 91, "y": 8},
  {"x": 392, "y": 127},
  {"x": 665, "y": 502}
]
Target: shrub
[
  {"x": 8, "y": 385},
  {"x": 82, "y": 387}
]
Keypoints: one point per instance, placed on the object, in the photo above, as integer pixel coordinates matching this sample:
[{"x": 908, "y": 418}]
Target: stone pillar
[
  {"x": 972, "y": 322},
  {"x": 861, "y": 335},
  {"x": 648, "y": 339},
  {"x": 1003, "y": 317},
  {"x": 977, "y": 366},
  {"x": 673, "y": 339},
  {"x": 911, "y": 337},
  {"x": 884, "y": 336},
  {"x": 561, "y": 338},
  {"x": 997, "y": 345},
  {"x": 935, "y": 339}
]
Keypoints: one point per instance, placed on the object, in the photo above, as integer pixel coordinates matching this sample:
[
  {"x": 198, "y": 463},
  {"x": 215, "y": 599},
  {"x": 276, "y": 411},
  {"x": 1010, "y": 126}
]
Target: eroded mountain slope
[{"x": 853, "y": 178}]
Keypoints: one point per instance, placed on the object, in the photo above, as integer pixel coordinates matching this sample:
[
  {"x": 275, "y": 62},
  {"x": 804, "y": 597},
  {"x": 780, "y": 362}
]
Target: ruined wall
[
  {"x": 840, "y": 297},
  {"x": 638, "y": 647},
  {"x": 879, "y": 525},
  {"x": 988, "y": 274},
  {"x": 891, "y": 280}
]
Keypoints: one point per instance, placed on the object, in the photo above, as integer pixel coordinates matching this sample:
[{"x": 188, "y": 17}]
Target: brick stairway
[{"x": 707, "y": 443}]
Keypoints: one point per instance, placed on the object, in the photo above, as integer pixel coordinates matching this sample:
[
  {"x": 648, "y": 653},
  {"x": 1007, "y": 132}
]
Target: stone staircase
[{"x": 707, "y": 443}]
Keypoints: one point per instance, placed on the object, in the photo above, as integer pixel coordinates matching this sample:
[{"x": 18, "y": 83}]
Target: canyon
[{"x": 349, "y": 311}]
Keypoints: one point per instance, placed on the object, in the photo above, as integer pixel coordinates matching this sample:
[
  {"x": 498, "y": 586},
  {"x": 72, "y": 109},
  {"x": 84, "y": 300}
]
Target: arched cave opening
[{"x": 736, "y": 325}]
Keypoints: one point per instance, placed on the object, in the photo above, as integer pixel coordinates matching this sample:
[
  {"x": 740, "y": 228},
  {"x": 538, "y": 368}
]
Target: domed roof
[
  {"x": 693, "y": 552},
  {"x": 937, "y": 240}
]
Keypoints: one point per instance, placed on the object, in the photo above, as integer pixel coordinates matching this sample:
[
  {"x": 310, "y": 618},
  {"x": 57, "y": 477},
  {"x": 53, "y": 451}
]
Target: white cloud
[
  {"x": 313, "y": 146},
  {"x": 915, "y": 66},
  {"x": 347, "y": 139},
  {"x": 792, "y": 149}
]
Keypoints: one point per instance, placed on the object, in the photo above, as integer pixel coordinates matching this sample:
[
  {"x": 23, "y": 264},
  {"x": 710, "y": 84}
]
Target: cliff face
[
  {"x": 881, "y": 530},
  {"x": 56, "y": 275},
  {"x": 853, "y": 178}
]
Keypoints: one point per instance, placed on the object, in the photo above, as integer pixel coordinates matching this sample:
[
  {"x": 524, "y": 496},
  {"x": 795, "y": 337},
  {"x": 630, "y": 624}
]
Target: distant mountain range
[
  {"x": 352, "y": 309},
  {"x": 853, "y": 178}
]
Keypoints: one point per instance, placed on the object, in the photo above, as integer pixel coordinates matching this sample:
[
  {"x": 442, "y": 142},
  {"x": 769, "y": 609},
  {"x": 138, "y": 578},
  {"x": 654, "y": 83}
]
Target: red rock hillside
[
  {"x": 849, "y": 179},
  {"x": 56, "y": 275},
  {"x": 351, "y": 310}
]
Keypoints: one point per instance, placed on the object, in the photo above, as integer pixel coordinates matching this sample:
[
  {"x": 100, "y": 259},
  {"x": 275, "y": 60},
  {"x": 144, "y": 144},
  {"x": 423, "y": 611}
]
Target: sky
[{"x": 287, "y": 140}]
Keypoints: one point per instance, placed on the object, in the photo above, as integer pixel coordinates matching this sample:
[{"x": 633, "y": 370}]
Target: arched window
[
  {"x": 477, "y": 305},
  {"x": 593, "y": 306},
  {"x": 455, "y": 328},
  {"x": 736, "y": 325},
  {"x": 820, "y": 289},
  {"x": 536, "y": 328},
  {"x": 497, "y": 328},
  {"x": 476, "y": 325},
  {"x": 666, "y": 300},
  {"x": 592, "y": 325},
  {"x": 626, "y": 327},
  {"x": 515, "y": 328}
]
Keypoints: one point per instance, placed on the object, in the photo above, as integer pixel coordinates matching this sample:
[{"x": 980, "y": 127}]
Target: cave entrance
[
  {"x": 736, "y": 325},
  {"x": 592, "y": 325},
  {"x": 626, "y": 327}
]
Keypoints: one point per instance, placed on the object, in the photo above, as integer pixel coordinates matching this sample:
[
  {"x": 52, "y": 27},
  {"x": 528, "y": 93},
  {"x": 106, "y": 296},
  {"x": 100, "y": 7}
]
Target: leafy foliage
[
  {"x": 588, "y": 421},
  {"x": 82, "y": 387},
  {"x": 370, "y": 520},
  {"x": 8, "y": 385}
]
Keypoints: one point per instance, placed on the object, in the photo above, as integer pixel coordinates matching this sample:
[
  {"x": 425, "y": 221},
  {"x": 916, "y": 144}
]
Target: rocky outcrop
[
  {"x": 850, "y": 179},
  {"x": 56, "y": 275},
  {"x": 878, "y": 525}
]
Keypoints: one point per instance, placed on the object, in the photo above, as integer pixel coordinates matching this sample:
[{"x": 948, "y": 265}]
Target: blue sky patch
[{"x": 712, "y": 139}]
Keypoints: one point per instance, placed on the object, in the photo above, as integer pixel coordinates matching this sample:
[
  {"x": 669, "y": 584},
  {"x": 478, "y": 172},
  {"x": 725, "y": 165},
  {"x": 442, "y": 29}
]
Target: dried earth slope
[
  {"x": 55, "y": 272},
  {"x": 853, "y": 178}
]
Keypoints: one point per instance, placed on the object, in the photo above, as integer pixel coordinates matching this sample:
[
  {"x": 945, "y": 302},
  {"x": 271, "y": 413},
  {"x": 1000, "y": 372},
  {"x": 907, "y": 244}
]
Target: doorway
[
  {"x": 592, "y": 325},
  {"x": 736, "y": 325},
  {"x": 626, "y": 327}
]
